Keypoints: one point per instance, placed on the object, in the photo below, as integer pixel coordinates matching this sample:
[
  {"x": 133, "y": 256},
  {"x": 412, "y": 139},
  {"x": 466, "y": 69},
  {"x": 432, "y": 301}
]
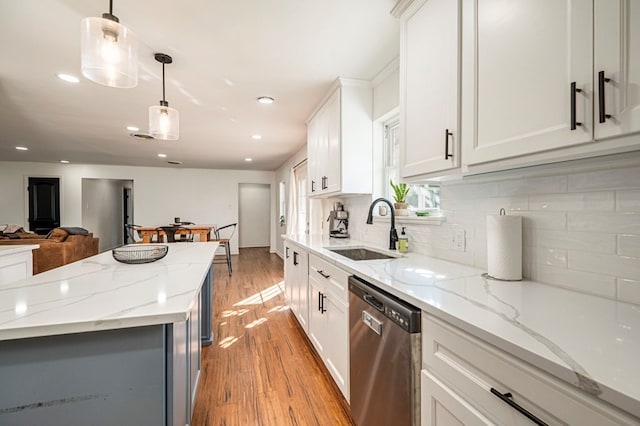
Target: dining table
[{"x": 147, "y": 232}]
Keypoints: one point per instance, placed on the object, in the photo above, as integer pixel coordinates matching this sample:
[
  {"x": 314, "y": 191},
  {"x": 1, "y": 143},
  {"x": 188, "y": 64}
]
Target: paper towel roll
[{"x": 504, "y": 247}]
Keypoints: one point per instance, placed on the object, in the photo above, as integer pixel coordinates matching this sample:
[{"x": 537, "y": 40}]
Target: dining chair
[
  {"x": 132, "y": 234},
  {"x": 224, "y": 239},
  {"x": 172, "y": 235}
]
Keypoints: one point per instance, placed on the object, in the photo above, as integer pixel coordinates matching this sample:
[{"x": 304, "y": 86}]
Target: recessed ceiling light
[
  {"x": 162, "y": 155},
  {"x": 265, "y": 99},
  {"x": 69, "y": 78},
  {"x": 64, "y": 161},
  {"x": 248, "y": 159},
  {"x": 256, "y": 137},
  {"x": 22, "y": 148},
  {"x": 133, "y": 129}
]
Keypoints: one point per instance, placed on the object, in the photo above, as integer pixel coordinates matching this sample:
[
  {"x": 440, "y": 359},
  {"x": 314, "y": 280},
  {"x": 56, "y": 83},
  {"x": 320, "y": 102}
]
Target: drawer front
[
  {"x": 472, "y": 368},
  {"x": 336, "y": 280}
]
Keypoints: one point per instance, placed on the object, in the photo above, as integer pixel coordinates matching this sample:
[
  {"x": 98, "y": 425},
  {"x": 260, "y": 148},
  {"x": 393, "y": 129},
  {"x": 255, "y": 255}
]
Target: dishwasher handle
[
  {"x": 372, "y": 323},
  {"x": 373, "y": 302}
]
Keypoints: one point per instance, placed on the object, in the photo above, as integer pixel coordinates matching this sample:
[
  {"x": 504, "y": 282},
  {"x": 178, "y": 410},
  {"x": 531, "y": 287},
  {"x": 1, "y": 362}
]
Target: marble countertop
[
  {"x": 7, "y": 250},
  {"x": 98, "y": 293},
  {"x": 590, "y": 342}
]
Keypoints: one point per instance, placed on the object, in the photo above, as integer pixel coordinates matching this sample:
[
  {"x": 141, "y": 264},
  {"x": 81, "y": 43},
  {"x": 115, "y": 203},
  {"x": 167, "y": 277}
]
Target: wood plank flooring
[{"x": 260, "y": 369}]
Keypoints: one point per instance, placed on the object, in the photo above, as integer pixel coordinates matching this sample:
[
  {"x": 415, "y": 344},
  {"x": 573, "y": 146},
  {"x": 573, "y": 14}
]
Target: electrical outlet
[{"x": 458, "y": 241}]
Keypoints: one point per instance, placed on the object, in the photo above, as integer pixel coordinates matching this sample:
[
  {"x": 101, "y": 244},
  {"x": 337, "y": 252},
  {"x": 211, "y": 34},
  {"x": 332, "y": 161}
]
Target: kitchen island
[{"x": 100, "y": 342}]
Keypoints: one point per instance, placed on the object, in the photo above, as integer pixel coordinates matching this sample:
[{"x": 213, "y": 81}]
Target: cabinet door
[
  {"x": 616, "y": 68},
  {"x": 313, "y": 184},
  {"x": 288, "y": 274},
  {"x": 333, "y": 159},
  {"x": 441, "y": 406},
  {"x": 429, "y": 79},
  {"x": 520, "y": 60},
  {"x": 316, "y": 318},
  {"x": 302, "y": 272},
  {"x": 337, "y": 353}
]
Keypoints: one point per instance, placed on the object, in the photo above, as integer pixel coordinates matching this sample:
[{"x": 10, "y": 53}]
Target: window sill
[{"x": 418, "y": 220}]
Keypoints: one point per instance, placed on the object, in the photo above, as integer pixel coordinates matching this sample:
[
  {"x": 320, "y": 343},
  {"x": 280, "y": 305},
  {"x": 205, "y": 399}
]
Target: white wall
[
  {"x": 160, "y": 194},
  {"x": 102, "y": 210},
  {"x": 283, "y": 175},
  {"x": 254, "y": 221}
]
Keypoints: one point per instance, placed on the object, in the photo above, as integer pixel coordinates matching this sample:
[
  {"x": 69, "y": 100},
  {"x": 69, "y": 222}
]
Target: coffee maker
[{"x": 338, "y": 221}]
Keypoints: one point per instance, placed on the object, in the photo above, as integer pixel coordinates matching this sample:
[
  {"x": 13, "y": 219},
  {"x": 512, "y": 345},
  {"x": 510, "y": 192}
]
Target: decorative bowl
[{"x": 140, "y": 253}]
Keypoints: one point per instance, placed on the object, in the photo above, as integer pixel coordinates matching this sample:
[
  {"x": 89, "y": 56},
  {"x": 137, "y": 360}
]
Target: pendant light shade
[
  {"x": 164, "y": 121},
  {"x": 109, "y": 51}
]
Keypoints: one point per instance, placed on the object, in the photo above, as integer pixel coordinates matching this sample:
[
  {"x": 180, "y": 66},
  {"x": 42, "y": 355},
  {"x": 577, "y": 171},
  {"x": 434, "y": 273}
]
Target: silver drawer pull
[{"x": 372, "y": 323}]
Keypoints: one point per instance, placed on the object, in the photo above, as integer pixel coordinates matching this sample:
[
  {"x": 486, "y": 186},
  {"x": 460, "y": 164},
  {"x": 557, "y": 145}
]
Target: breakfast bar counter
[{"x": 102, "y": 342}]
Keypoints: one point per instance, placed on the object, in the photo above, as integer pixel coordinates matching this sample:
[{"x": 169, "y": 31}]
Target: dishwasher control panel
[{"x": 397, "y": 317}]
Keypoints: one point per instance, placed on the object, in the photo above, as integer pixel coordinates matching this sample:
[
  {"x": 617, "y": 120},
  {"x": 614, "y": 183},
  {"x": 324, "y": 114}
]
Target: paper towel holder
[{"x": 486, "y": 275}]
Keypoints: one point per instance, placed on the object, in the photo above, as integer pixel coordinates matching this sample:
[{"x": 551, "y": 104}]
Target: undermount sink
[{"x": 361, "y": 254}]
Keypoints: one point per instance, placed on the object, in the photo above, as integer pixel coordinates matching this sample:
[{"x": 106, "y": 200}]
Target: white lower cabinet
[
  {"x": 462, "y": 376},
  {"x": 329, "y": 318},
  {"x": 295, "y": 282}
]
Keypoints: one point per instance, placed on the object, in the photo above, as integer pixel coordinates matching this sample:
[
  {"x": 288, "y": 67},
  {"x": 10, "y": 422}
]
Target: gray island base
[{"x": 138, "y": 375}]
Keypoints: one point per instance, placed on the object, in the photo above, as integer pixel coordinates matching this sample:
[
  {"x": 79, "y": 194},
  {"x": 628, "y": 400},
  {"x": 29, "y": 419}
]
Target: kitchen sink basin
[{"x": 361, "y": 254}]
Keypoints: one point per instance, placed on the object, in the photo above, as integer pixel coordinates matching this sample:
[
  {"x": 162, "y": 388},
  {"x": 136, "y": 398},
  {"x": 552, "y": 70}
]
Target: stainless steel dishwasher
[{"x": 385, "y": 357}]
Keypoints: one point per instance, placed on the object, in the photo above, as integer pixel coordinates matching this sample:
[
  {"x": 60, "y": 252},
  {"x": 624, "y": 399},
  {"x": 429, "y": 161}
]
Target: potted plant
[{"x": 400, "y": 195}]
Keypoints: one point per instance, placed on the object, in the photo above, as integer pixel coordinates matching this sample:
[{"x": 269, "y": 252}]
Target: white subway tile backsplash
[
  {"x": 580, "y": 230},
  {"x": 540, "y": 185},
  {"x": 596, "y": 242},
  {"x": 628, "y": 201},
  {"x": 599, "y": 201},
  {"x": 543, "y": 220},
  {"x": 629, "y": 290},
  {"x": 629, "y": 245},
  {"x": 619, "y": 223},
  {"x": 612, "y": 179},
  {"x": 588, "y": 282},
  {"x": 607, "y": 264}
]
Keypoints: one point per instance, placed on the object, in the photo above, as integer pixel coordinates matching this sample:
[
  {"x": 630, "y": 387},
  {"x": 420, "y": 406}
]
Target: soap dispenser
[{"x": 403, "y": 242}]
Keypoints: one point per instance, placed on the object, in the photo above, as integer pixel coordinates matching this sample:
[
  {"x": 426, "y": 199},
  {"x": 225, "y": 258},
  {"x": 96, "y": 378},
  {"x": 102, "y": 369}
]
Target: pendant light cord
[
  {"x": 163, "y": 100},
  {"x": 110, "y": 7}
]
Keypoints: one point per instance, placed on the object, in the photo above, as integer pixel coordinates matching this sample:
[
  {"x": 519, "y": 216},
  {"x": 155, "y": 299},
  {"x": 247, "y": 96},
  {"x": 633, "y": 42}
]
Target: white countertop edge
[
  {"x": 90, "y": 326},
  {"x": 7, "y": 250},
  {"x": 560, "y": 371}
]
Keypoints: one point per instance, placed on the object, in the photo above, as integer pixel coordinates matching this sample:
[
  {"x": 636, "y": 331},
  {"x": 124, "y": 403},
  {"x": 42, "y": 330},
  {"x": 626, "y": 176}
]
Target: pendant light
[
  {"x": 109, "y": 51},
  {"x": 163, "y": 120}
]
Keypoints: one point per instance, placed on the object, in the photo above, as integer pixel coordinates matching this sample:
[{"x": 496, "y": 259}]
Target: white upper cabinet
[
  {"x": 339, "y": 141},
  {"x": 429, "y": 87},
  {"x": 616, "y": 68},
  {"x": 528, "y": 80}
]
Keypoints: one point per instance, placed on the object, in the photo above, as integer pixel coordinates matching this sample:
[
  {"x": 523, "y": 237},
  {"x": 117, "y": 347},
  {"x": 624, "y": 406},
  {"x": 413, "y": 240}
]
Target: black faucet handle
[{"x": 394, "y": 234}]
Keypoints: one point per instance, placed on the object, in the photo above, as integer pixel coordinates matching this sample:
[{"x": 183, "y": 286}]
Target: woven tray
[{"x": 140, "y": 253}]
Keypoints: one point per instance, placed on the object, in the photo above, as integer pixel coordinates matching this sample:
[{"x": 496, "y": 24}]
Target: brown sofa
[{"x": 58, "y": 249}]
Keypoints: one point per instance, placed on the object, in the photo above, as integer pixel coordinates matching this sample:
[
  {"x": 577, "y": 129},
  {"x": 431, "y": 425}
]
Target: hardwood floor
[{"x": 260, "y": 369}]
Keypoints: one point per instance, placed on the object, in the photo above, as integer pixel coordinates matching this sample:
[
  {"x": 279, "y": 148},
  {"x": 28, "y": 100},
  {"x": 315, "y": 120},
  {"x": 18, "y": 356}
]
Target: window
[{"x": 421, "y": 196}]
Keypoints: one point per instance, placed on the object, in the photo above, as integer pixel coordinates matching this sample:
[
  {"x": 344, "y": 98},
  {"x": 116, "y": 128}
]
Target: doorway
[
  {"x": 106, "y": 205},
  {"x": 44, "y": 204},
  {"x": 254, "y": 211}
]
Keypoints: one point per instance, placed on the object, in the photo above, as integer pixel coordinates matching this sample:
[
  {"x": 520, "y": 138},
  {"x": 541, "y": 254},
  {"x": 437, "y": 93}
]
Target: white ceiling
[{"x": 226, "y": 53}]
